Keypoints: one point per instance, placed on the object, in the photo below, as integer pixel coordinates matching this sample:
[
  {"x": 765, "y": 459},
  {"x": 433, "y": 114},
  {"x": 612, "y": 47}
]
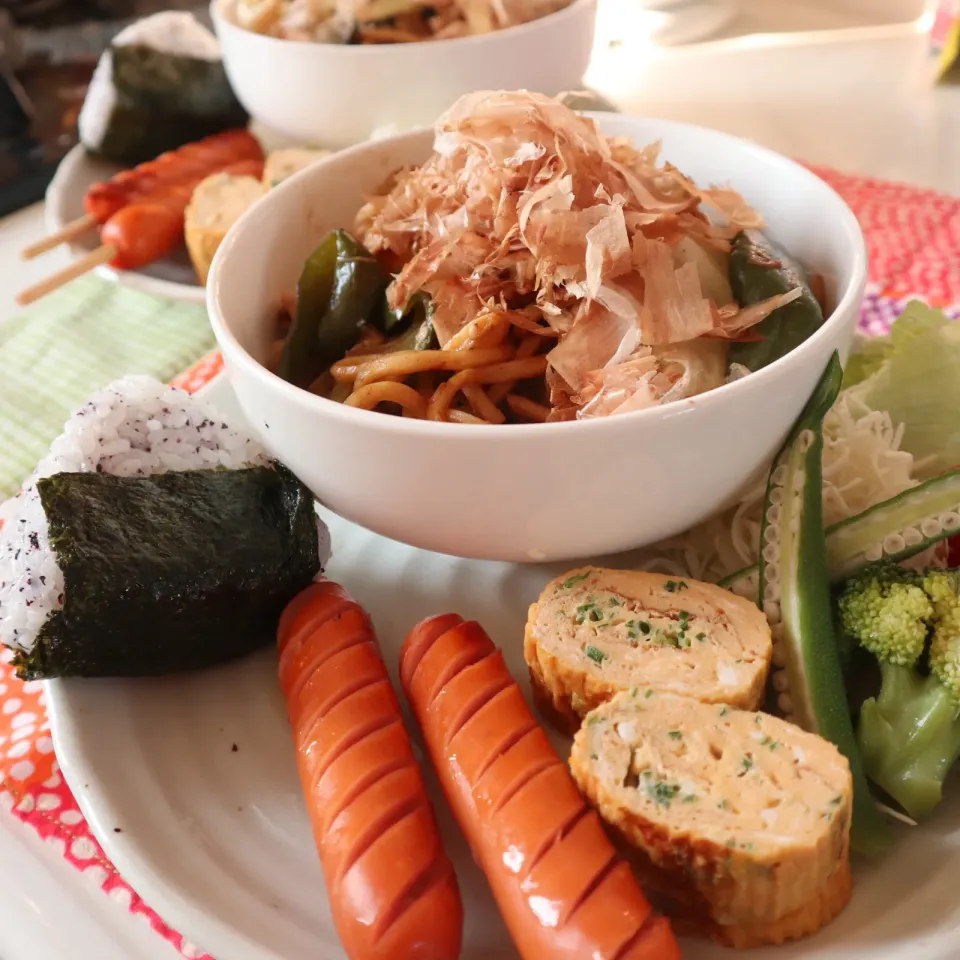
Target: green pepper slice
[
  {"x": 759, "y": 270},
  {"x": 417, "y": 317},
  {"x": 341, "y": 287}
]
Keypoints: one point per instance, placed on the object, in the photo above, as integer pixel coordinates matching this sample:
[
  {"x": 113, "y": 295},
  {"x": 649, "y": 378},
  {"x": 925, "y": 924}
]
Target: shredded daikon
[{"x": 862, "y": 465}]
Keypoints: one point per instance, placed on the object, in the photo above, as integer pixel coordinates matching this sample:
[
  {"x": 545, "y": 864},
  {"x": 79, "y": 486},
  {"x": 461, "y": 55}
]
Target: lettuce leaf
[{"x": 914, "y": 375}]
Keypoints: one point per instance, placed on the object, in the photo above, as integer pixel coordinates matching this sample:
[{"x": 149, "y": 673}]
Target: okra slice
[
  {"x": 794, "y": 590},
  {"x": 898, "y": 528},
  {"x": 895, "y": 529}
]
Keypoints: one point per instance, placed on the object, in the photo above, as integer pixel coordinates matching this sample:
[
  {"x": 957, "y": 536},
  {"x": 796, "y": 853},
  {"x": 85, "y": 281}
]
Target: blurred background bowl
[
  {"x": 334, "y": 95},
  {"x": 532, "y": 492}
]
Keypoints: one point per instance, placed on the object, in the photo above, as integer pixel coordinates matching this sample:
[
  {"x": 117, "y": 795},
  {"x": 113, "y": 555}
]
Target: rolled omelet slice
[
  {"x": 595, "y": 632},
  {"x": 216, "y": 205},
  {"x": 282, "y": 164},
  {"x": 740, "y": 820}
]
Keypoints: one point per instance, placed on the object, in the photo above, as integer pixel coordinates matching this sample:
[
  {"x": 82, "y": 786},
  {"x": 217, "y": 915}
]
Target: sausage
[
  {"x": 191, "y": 161},
  {"x": 149, "y": 229},
  {"x": 563, "y": 892},
  {"x": 393, "y": 892}
]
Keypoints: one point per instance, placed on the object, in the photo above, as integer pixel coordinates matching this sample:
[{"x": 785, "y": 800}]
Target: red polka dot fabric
[{"x": 913, "y": 236}]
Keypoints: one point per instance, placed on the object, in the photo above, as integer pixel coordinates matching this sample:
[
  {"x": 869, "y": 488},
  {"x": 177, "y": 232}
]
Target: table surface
[{"x": 861, "y": 101}]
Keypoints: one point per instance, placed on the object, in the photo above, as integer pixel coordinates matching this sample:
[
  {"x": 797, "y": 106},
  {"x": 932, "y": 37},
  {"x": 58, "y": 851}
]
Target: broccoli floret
[
  {"x": 909, "y": 733},
  {"x": 941, "y": 586},
  {"x": 888, "y": 613}
]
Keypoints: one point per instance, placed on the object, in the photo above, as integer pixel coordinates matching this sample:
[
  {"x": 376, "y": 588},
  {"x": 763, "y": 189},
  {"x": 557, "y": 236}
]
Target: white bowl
[
  {"x": 335, "y": 95},
  {"x": 539, "y": 491}
]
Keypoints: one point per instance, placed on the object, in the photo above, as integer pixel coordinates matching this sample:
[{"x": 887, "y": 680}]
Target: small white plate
[
  {"x": 190, "y": 785},
  {"x": 172, "y": 277}
]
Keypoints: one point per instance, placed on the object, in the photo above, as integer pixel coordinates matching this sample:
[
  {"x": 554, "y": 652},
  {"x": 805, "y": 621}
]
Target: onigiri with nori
[{"x": 154, "y": 537}]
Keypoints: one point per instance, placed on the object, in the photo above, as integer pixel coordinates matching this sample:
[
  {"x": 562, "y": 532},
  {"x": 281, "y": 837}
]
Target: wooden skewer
[
  {"x": 70, "y": 231},
  {"x": 76, "y": 269}
]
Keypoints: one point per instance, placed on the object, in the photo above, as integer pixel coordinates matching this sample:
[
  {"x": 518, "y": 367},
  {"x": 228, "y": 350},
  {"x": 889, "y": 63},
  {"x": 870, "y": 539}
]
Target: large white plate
[
  {"x": 190, "y": 785},
  {"x": 172, "y": 277}
]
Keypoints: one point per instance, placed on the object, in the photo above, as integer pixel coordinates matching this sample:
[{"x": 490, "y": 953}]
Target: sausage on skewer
[
  {"x": 192, "y": 160},
  {"x": 138, "y": 234}
]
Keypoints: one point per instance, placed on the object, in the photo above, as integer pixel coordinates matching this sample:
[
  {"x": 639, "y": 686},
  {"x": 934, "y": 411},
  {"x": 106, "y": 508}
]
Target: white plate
[
  {"x": 190, "y": 785},
  {"x": 172, "y": 277}
]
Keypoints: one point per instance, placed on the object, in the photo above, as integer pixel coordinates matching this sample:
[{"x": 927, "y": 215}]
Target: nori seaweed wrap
[
  {"x": 153, "y": 538},
  {"x": 161, "y": 84},
  {"x": 171, "y": 572}
]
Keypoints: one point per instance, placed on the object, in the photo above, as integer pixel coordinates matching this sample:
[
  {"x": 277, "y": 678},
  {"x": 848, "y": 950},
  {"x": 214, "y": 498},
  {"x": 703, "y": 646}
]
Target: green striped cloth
[{"x": 75, "y": 341}]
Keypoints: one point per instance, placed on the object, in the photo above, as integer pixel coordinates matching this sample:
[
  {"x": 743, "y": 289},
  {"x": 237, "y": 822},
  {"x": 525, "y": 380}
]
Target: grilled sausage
[
  {"x": 193, "y": 161},
  {"x": 144, "y": 231},
  {"x": 392, "y": 889},
  {"x": 556, "y": 878}
]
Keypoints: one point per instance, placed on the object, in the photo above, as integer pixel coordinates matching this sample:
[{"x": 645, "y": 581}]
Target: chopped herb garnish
[
  {"x": 592, "y": 719},
  {"x": 690, "y": 798},
  {"x": 723, "y": 711},
  {"x": 683, "y": 640},
  {"x": 568, "y": 583},
  {"x": 665, "y": 639},
  {"x": 593, "y": 756},
  {"x": 597, "y": 656},
  {"x": 634, "y": 691},
  {"x": 663, "y": 793},
  {"x": 764, "y": 741},
  {"x": 649, "y": 693},
  {"x": 588, "y": 611},
  {"x": 701, "y": 637},
  {"x": 672, "y": 586},
  {"x": 633, "y": 630},
  {"x": 746, "y": 763},
  {"x": 684, "y": 615},
  {"x": 614, "y": 602},
  {"x": 644, "y": 627},
  {"x": 675, "y": 735},
  {"x": 732, "y": 844},
  {"x": 774, "y": 744},
  {"x": 722, "y": 805}
]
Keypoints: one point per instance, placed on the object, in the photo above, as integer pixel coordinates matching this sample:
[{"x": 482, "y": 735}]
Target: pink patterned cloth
[{"x": 913, "y": 237}]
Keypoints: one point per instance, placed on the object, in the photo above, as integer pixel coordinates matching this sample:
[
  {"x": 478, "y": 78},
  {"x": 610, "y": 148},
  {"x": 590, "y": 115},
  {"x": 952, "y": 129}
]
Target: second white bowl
[
  {"x": 335, "y": 95},
  {"x": 553, "y": 491}
]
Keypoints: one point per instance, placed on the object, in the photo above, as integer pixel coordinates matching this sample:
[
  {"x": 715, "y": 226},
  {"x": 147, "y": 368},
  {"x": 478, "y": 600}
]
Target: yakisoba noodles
[
  {"x": 535, "y": 269},
  {"x": 383, "y": 21}
]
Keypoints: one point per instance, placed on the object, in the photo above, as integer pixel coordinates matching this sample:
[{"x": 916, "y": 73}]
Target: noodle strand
[
  {"x": 528, "y": 347},
  {"x": 510, "y": 370},
  {"x": 387, "y": 391},
  {"x": 461, "y": 416},
  {"x": 528, "y": 409},
  {"x": 405, "y": 363},
  {"x": 482, "y": 405}
]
